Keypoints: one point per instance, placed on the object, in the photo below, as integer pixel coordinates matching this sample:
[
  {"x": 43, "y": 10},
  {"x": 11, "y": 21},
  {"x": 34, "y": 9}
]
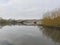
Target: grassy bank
[{"x": 51, "y": 19}]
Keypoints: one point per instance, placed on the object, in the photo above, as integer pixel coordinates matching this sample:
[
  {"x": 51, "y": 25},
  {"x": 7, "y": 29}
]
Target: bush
[{"x": 52, "y": 19}]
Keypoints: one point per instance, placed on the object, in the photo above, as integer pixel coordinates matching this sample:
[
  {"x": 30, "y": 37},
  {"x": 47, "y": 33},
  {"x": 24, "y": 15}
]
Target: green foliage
[{"x": 7, "y": 22}]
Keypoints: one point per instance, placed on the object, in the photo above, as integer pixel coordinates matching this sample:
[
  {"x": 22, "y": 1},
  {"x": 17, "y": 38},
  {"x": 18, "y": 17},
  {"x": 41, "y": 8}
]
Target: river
[{"x": 28, "y": 35}]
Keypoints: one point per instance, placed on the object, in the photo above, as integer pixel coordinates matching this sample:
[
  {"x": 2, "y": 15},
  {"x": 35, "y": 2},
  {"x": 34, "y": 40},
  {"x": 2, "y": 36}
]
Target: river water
[{"x": 28, "y": 35}]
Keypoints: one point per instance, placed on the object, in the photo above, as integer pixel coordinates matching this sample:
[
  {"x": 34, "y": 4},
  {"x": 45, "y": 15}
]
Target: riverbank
[{"x": 51, "y": 19}]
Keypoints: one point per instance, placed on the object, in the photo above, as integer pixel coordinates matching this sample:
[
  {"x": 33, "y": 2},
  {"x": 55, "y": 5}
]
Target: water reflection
[
  {"x": 54, "y": 34},
  {"x": 28, "y": 35},
  {"x": 20, "y": 35},
  {"x": 2, "y": 25}
]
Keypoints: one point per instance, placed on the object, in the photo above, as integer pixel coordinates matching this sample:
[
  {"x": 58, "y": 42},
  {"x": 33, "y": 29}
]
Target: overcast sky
[{"x": 26, "y": 9}]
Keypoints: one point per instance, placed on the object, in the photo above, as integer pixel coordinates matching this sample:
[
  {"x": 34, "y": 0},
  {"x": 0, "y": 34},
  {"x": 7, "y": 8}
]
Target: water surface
[{"x": 27, "y": 35}]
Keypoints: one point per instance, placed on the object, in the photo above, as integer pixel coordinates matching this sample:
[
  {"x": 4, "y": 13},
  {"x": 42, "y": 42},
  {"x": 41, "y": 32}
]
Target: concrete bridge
[{"x": 28, "y": 22}]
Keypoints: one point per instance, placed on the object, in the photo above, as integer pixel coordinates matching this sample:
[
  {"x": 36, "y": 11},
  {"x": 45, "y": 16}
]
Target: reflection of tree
[
  {"x": 1, "y": 27},
  {"x": 52, "y": 33}
]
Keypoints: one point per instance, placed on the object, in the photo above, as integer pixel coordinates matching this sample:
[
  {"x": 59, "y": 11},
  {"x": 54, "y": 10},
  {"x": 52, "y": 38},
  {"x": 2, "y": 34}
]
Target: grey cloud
[{"x": 27, "y": 8}]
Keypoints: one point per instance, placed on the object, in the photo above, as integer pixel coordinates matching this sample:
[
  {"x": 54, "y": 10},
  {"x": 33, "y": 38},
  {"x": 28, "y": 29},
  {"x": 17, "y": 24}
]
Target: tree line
[{"x": 7, "y": 21}]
